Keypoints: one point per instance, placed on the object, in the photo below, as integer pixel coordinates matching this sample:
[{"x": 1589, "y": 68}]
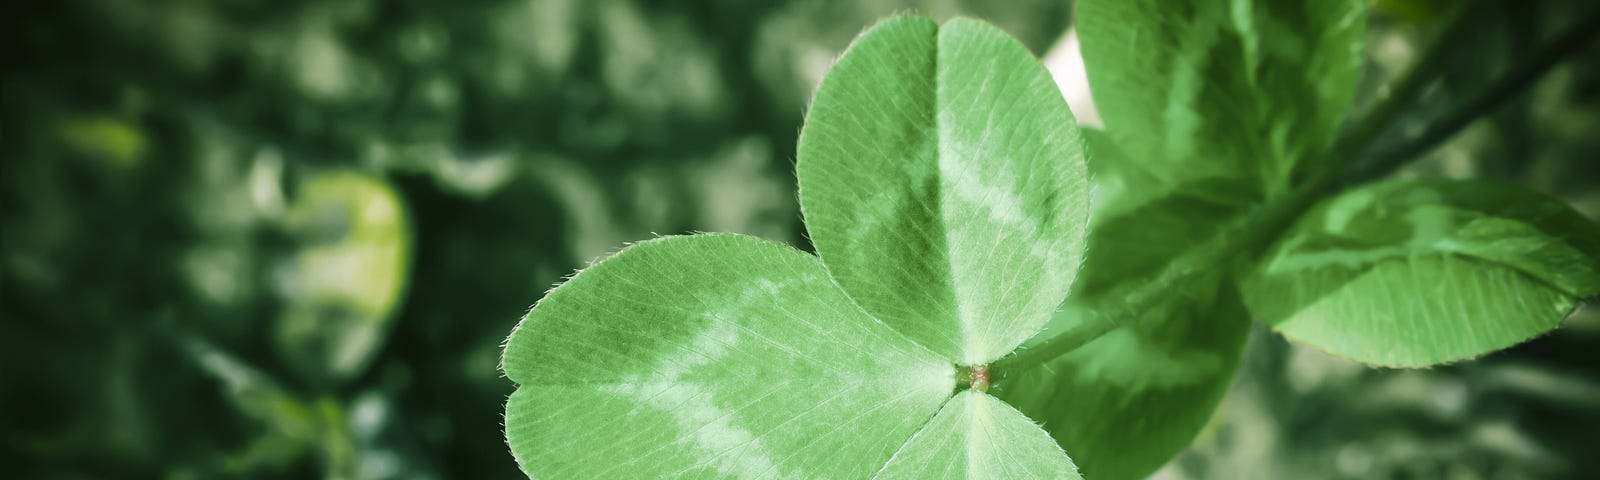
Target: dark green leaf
[{"x": 1223, "y": 91}]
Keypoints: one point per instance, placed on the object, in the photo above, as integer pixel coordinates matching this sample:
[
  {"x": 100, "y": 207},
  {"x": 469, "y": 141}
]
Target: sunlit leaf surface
[
  {"x": 712, "y": 356},
  {"x": 944, "y": 185},
  {"x": 1418, "y": 272}
]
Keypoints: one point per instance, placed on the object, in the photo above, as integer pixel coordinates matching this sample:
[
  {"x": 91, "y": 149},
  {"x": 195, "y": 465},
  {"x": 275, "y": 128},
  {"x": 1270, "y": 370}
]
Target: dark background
[{"x": 285, "y": 239}]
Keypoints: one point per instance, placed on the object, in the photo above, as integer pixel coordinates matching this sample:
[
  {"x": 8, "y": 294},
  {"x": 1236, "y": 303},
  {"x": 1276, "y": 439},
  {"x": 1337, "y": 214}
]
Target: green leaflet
[
  {"x": 977, "y": 436},
  {"x": 943, "y": 184},
  {"x": 712, "y": 356},
  {"x": 1223, "y": 91},
  {"x": 1127, "y": 402},
  {"x": 949, "y": 204},
  {"x": 1419, "y": 272}
]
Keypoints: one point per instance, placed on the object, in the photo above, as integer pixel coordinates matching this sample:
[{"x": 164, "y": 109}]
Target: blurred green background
[{"x": 285, "y": 239}]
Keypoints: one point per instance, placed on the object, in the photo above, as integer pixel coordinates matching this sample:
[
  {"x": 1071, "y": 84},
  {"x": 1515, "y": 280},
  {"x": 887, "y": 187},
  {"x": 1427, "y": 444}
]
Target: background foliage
[{"x": 287, "y": 239}]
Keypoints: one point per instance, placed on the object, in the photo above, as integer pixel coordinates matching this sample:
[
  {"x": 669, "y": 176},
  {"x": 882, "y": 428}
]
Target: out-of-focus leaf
[
  {"x": 116, "y": 142},
  {"x": 712, "y": 356},
  {"x": 1223, "y": 90},
  {"x": 976, "y": 436},
  {"x": 293, "y": 426},
  {"x": 1419, "y": 272},
  {"x": 344, "y": 285},
  {"x": 943, "y": 183}
]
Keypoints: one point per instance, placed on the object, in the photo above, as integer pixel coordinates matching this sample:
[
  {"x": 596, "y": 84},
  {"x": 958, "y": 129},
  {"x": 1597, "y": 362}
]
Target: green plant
[{"x": 946, "y": 189}]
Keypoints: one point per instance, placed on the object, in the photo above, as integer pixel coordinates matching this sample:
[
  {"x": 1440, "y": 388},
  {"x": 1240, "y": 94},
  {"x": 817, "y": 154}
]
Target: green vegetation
[
  {"x": 944, "y": 187},
  {"x": 287, "y": 239}
]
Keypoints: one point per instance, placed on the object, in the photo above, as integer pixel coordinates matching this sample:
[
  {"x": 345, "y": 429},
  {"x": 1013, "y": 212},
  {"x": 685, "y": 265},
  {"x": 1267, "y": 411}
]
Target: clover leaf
[
  {"x": 943, "y": 183},
  {"x": 1239, "y": 98},
  {"x": 1412, "y": 273}
]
